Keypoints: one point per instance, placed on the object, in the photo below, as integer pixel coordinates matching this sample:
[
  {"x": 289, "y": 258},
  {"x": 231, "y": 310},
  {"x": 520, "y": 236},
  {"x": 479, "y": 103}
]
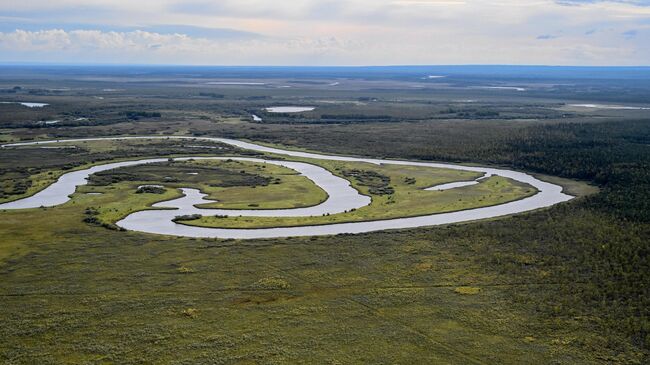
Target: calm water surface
[{"x": 341, "y": 197}]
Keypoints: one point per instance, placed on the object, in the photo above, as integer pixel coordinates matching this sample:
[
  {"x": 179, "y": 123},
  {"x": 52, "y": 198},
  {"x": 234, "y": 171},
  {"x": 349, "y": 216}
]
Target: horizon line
[{"x": 69, "y": 64}]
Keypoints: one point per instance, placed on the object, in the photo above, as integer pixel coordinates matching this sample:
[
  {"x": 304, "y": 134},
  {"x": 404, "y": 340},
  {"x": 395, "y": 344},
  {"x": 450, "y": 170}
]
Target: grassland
[
  {"x": 77, "y": 293},
  {"x": 27, "y": 170},
  {"x": 232, "y": 184},
  {"x": 119, "y": 199},
  {"x": 406, "y": 196},
  {"x": 566, "y": 285},
  {"x": 287, "y": 189}
]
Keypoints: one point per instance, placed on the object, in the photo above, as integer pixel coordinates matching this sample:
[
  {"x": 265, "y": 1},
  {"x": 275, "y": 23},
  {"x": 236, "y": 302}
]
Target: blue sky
[{"x": 326, "y": 32}]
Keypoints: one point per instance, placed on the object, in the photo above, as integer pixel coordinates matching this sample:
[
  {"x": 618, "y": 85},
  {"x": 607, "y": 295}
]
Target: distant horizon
[
  {"x": 420, "y": 73},
  {"x": 405, "y": 65}
]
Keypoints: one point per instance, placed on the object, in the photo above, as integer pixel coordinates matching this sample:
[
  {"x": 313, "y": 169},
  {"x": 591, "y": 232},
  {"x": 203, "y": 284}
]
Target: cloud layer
[{"x": 323, "y": 32}]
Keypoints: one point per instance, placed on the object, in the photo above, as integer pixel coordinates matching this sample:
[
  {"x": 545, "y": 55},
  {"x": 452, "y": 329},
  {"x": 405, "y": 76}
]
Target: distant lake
[
  {"x": 290, "y": 109},
  {"x": 29, "y": 105},
  {"x": 236, "y": 83},
  {"x": 615, "y": 107},
  {"x": 511, "y": 88}
]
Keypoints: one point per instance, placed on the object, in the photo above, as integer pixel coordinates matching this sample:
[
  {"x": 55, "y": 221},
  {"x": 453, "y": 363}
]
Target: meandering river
[{"x": 342, "y": 197}]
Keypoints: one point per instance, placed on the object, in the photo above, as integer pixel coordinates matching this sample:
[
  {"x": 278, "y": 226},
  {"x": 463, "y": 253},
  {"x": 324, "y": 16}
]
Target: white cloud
[
  {"x": 327, "y": 31},
  {"x": 140, "y": 46}
]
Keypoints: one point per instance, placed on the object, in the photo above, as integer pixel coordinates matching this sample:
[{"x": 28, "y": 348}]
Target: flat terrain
[
  {"x": 396, "y": 191},
  {"x": 105, "y": 295},
  {"x": 565, "y": 285},
  {"x": 232, "y": 184}
]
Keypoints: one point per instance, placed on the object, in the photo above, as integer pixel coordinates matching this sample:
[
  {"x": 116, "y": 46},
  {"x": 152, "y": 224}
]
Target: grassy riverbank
[
  {"x": 408, "y": 200},
  {"x": 75, "y": 293}
]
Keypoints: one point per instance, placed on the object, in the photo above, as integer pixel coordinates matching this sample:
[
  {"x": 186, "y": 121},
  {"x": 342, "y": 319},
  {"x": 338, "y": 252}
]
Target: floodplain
[{"x": 565, "y": 284}]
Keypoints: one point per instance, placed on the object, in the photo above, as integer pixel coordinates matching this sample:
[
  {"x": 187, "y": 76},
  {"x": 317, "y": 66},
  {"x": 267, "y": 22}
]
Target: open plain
[{"x": 565, "y": 283}]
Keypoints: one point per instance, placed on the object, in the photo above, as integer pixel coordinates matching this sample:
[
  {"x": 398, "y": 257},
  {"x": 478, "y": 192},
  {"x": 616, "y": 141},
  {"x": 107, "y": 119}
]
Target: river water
[{"x": 341, "y": 197}]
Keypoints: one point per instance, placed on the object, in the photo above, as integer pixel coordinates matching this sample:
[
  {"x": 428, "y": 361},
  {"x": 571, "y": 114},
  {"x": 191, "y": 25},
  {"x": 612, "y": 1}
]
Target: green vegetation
[
  {"x": 285, "y": 189},
  {"x": 455, "y": 257},
  {"x": 232, "y": 183},
  {"x": 190, "y": 217},
  {"x": 87, "y": 287},
  {"x": 119, "y": 200},
  {"x": 24, "y": 171},
  {"x": 612, "y": 259},
  {"x": 173, "y": 172},
  {"x": 140, "y": 114},
  {"x": 148, "y": 189},
  {"x": 467, "y": 290},
  {"x": 377, "y": 183},
  {"x": 396, "y": 191},
  {"x": 566, "y": 285}
]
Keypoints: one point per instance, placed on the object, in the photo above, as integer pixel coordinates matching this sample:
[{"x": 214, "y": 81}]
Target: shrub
[
  {"x": 148, "y": 189},
  {"x": 190, "y": 217},
  {"x": 467, "y": 290},
  {"x": 191, "y": 312},
  {"x": 271, "y": 283}
]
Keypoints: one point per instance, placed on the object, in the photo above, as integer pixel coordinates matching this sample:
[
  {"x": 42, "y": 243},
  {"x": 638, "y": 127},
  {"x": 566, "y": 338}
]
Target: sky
[{"x": 326, "y": 32}]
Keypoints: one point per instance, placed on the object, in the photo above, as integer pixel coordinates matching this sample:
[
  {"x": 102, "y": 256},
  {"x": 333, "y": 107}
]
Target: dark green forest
[{"x": 598, "y": 246}]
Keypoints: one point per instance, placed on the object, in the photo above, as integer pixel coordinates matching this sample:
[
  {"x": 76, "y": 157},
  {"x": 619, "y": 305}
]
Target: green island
[
  {"x": 233, "y": 184},
  {"x": 396, "y": 191}
]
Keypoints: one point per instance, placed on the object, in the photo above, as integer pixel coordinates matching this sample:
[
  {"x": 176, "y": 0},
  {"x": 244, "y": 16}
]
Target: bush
[
  {"x": 148, "y": 189},
  {"x": 190, "y": 217}
]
